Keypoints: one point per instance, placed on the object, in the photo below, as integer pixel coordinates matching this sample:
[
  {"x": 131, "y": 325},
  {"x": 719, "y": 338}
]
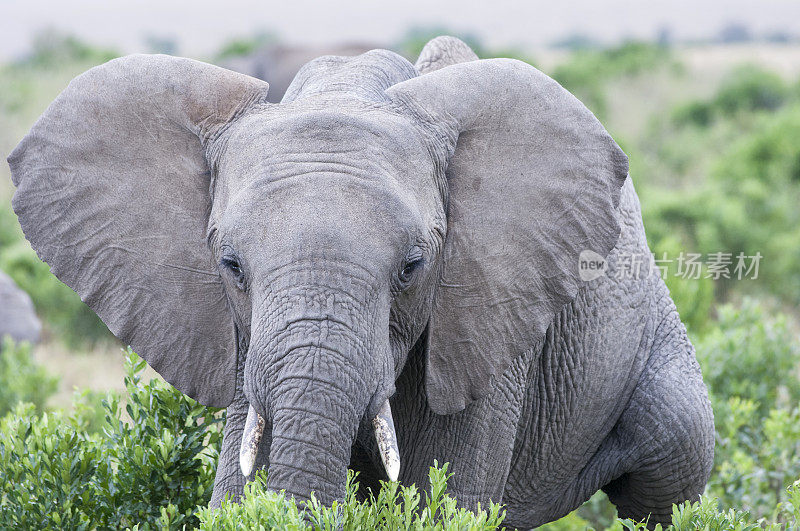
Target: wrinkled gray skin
[
  {"x": 388, "y": 230},
  {"x": 17, "y": 315}
]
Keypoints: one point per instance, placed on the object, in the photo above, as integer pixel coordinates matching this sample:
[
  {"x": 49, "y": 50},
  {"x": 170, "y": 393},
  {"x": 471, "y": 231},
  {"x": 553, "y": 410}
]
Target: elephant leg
[
  {"x": 477, "y": 443},
  {"x": 662, "y": 448}
]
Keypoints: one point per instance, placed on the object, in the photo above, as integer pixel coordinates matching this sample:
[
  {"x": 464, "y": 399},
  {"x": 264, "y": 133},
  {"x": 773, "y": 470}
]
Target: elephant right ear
[
  {"x": 113, "y": 191},
  {"x": 533, "y": 183}
]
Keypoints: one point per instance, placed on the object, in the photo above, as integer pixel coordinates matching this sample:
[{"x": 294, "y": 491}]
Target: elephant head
[{"x": 315, "y": 242}]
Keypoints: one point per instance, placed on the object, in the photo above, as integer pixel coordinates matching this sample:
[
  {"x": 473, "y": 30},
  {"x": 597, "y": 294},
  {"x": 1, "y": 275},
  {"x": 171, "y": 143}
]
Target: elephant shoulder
[{"x": 629, "y": 213}]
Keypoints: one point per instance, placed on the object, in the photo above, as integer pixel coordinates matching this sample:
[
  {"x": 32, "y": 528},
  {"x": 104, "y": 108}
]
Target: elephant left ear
[{"x": 533, "y": 181}]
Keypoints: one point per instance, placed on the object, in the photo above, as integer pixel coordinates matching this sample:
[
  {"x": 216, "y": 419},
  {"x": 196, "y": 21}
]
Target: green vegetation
[
  {"x": 751, "y": 355},
  {"x": 747, "y": 204},
  {"x": 21, "y": 379},
  {"x": 153, "y": 469},
  {"x": 749, "y": 363},
  {"x": 156, "y": 470},
  {"x": 587, "y": 72},
  {"x": 746, "y": 89},
  {"x": 394, "y": 508},
  {"x": 705, "y": 515},
  {"x": 246, "y": 46}
]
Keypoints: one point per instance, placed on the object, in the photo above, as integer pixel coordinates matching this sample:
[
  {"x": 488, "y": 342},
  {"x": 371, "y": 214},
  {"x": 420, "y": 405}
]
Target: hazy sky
[{"x": 200, "y": 26}]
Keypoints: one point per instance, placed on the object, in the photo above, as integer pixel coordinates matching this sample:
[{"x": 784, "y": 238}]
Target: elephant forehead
[
  {"x": 288, "y": 140},
  {"x": 326, "y": 211}
]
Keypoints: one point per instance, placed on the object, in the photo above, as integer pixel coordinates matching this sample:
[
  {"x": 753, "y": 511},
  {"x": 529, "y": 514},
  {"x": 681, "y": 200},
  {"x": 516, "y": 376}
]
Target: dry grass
[
  {"x": 99, "y": 369},
  {"x": 716, "y": 60}
]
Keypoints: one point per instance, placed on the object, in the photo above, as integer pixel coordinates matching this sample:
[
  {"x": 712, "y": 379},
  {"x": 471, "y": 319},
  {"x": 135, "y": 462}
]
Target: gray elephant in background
[
  {"x": 278, "y": 63},
  {"x": 18, "y": 318},
  {"x": 383, "y": 270}
]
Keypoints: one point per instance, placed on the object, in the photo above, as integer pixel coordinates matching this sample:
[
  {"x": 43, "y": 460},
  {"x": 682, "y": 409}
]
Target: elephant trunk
[
  {"x": 311, "y": 441},
  {"x": 317, "y": 370}
]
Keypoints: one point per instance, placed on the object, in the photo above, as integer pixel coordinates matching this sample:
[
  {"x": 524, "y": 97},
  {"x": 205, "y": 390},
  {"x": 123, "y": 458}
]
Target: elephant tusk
[
  {"x": 387, "y": 441},
  {"x": 251, "y": 437}
]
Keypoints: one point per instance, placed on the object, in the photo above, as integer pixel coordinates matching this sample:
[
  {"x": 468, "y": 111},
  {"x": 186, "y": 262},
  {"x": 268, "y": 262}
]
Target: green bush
[
  {"x": 51, "y": 48},
  {"x": 46, "y": 472},
  {"x": 707, "y": 516},
  {"x": 395, "y": 507},
  {"x": 156, "y": 470},
  {"x": 755, "y": 457},
  {"x": 153, "y": 469},
  {"x": 756, "y": 190},
  {"x": 163, "y": 460},
  {"x": 731, "y": 182},
  {"x": 88, "y": 411},
  {"x": 749, "y": 362},
  {"x": 697, "y": 113},
  {"x": 746, "y": 89},
  {"x": 747, "y": 204},
  {"x": 21, "y": 379},
  {"x": 750, "y": 88},
  {"x": 752, "y": 356}
]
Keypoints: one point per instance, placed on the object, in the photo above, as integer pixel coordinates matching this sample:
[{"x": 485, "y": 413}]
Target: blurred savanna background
[{"x": 703, "y": 96}]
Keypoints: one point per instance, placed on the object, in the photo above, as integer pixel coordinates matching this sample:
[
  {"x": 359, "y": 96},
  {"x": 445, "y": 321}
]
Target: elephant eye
[
  {"x": 232, "y": 264},
  {"x": 410, "y": 267}
]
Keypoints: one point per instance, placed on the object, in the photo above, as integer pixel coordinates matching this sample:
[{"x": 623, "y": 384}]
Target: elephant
[
  {"x": 278, "y": 63},
  {"x": 18, "y": 318},
  {"x": 398, "y": 263}
]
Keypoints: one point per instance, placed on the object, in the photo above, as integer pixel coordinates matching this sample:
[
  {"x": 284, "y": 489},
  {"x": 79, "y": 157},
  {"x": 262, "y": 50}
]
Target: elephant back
[{"x": 364, "y": 76}]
